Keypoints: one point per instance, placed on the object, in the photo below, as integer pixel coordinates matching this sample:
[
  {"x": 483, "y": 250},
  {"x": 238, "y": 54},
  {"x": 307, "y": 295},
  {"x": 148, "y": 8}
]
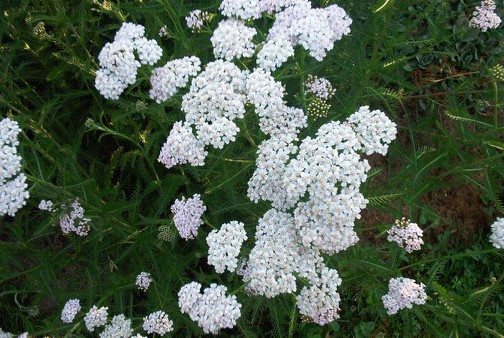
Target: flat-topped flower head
[
  {"x": 143, "y": 281},
  {"x": 158, "y": 322},
  {"x": 212, "y": 310},
  {"x": 70, "y": 310},
  {"x": 497, "y": 236},
  {"x": 224, "y": 246},
  {"x": 406, "y": 234},
  {"x": 13, "y": 193},
  {"x": 118, "y": 62},
  {"x": 233, "y": 38},
  {"x": 484, "y": 17},
  {"x": 119, "y": 327},
  {"x": 187, "y": 215},
  {"x": 95, "y": 317},
  {"x": 403, "y": 293}
]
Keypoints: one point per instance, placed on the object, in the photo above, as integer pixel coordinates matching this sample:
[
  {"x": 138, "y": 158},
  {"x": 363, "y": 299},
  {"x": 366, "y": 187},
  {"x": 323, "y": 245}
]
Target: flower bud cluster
[
  {"x": 406, "y": 234},
  {"x": 484, "y": 17},
  {"x": 233, "y": 38},
  {"x": 143, "y": 281},
  {"x": 316, "y": 29},
  {"x": 95, "y": 317},
  {"x": 196, "y": 19},
  {"x": 187, "y": 215},
  {"x": 13, "y": 192},
  {"x": 158, "y": 322},
  {"x": 318, "y": 108},
  {"x": 70, "y": 310},
  {"x": 173, "y": 75},
  {"x": 73, "y": 220},
  {"x": 118, "y": 64},
  {"x": 497, "y": 236},
  {"x": 403, "y": 293},
  {"x": 119, "y": 327},
  {"x": 212, "y": 310}
]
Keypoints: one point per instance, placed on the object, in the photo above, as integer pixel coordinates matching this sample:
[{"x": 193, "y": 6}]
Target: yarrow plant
[
  {"x": 70, "y": 310},
  {"x": 158, "y": 322},
  {"x": 213, "y": 310},
  {"x": 13, "y": 193},
  {"x": 143, "y": 281},
  {"x": 406, "y": 234},
  {"x": 403, "y": 293},
  {"x": 484, "y": 17},
  {"x": 224, "y": 246},
  {"x": 497, "y": 235},
  {"x": 119, "y": 327},
  {"x": 72, "y": 219},
  {"x": 96, "y": 317},
  {"x": 118, "y": 63},
  {"x": 285, "y": 165},
  {"x": 187, "y": 215},
  {"x": 197, "y": 19}
]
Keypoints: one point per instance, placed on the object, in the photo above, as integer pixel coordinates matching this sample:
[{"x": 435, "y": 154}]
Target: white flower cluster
[
  {"x": 212, "y": 310},
  {"x": 4, "y": 334},
  {"x": 320, "y": 87},
  {"x": 320, "y": 302},
  {"x": 143, "y": 281},
  {"x": 267, "y": 182},
  {"x": 118, "y": 65},
  {"x": 331, "y": 171},
  {"x": 158, "y": 322},
  {"x": 13, "y": 192},
  {"x": 406, "y": 234},
  {"x": 187, "y": 215},
  {"x": 46, "y": 205},
  {"x": 119, "y": 327},
  {"x": 163, "y": 32},
  {"x": 74, "y": 221},
  {"x": 215, "y": 98},
  {"x": 182, "y": 147},
  {"x": 224, "y": 246},
  {"x": 274, "y": 53},
  {"x": 484, "y": 17},
  {"x": 196, "y": 19},
  {"x": 497, "y": 236},
  {"x": 403, "y": 293},
  {"x": 374, "y": 130},
  {"x": 316, "y": 29},
  {"x": 70, "y": 310},
  {"x": 95, "y": 317},
  {"x": 243, "y": 9},
  {"x": 233, "y": 38},
  {"x": 275, "y": 118},
  {"x": 277, "y": 255},
  {"x": 173, "y": 75}
]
